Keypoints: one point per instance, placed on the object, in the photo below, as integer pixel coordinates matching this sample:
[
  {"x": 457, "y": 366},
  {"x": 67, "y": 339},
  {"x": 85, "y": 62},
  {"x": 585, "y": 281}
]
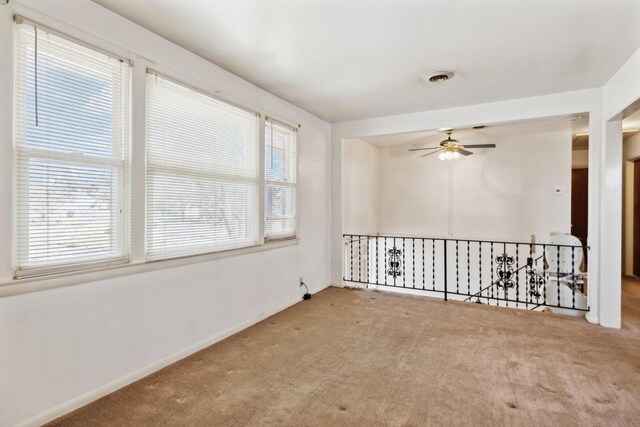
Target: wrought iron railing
[{"x": 512, "y": 274}]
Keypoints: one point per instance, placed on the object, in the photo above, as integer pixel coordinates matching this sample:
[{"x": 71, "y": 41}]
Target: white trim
[
  {"x": 283, "y": 122},
  {"x": 48, "y": 269},
  {"x": 280, "y": 237},
  {"x": 138, "y": 164},
  {"x": 262, "y": 187},
  {"x": 24, "y": 20},
  {"x": 125, "y": 380},
  {"x": 292, "y": 185},
  {"x": 282, "y": 184},
  {"x": 37, "y": 284},
  {"x": 117, "y": 164}
]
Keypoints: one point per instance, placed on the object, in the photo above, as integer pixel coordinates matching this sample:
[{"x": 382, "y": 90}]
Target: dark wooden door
[
  {"x": 580, "y": 203},
  {"x": 636, "y": 218}
]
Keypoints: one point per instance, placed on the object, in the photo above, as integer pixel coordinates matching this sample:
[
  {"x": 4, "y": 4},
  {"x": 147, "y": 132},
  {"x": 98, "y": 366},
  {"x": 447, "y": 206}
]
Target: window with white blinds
[
  {"x": 71, "y": 153},
  {"x": 202, "y": 172},
  {"x": 280, "y": 174}
]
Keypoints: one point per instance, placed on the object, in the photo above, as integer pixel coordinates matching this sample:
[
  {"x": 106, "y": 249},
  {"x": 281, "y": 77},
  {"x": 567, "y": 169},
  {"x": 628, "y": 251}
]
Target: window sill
[
  {"x": 276, "y": 239},
  {"x": 53, "y": 281}
]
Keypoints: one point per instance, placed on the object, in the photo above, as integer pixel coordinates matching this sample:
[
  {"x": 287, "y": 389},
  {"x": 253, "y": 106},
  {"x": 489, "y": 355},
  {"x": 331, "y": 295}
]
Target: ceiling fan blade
[
  {"x": 428, "y": 148},
  {"x": 480, "y": 146},
  {"x": 464, "y": 152},
  {"x": 428, "y": 154}
]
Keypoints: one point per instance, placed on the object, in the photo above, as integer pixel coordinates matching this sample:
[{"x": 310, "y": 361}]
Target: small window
[
  {"x": 281, "y": 177},
  {"x": 71, "y": 153},
  {"x": 203, "y": 177}
]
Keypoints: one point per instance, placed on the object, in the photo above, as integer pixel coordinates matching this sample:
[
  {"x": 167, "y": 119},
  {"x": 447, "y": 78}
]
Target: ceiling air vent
[{"x": 439, "y": 77}]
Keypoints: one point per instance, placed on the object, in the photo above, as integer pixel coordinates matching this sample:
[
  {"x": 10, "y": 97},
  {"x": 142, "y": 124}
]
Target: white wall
[
  {"x": 361, "y": 187},
  {"x": 506, "y": 193},
  {"x": 63, "y": 347}
]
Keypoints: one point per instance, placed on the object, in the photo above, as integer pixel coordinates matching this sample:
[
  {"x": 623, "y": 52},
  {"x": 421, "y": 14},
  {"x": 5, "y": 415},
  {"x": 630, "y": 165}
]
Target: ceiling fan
[{"x": 451, "y": 149}]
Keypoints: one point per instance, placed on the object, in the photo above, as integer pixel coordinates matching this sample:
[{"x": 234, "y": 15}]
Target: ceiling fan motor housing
[{"x": 449, "y": 142}]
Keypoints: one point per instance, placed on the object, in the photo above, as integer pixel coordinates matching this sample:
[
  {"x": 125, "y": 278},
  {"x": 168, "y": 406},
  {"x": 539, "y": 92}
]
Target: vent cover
[{"x": 439, "y": 77}]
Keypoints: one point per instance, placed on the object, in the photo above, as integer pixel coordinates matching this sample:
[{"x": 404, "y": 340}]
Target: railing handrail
[
  {"x": 354, "y": 240},
  {"x": 450, "y": 239},
  {"x": 404, "y": 256}
]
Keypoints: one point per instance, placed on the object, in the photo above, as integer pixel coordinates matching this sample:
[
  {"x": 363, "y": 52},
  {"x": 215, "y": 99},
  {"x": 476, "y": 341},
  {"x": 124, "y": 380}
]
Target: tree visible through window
[{"x": 202, "y": 172}]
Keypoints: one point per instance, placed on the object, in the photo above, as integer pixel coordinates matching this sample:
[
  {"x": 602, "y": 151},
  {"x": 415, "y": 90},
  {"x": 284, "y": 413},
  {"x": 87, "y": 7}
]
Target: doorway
[{"x": 580, "y": 204}]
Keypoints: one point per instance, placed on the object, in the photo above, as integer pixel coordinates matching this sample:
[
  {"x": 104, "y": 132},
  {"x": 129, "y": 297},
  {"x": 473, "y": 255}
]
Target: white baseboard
[
  {"x": 110, "y": 387},
  {"x": 592, "y": 318}
]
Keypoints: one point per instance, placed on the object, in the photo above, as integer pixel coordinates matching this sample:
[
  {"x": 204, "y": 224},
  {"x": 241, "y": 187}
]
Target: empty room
[{"x": 319, "y": 213}]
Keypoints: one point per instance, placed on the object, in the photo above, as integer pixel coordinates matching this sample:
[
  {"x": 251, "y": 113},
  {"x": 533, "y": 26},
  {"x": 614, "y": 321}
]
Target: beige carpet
[{"x": 364, "y": 358}]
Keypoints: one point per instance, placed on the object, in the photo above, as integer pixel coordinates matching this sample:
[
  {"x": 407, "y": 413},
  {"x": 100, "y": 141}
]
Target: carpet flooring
[{"x": 365, "y": 358}]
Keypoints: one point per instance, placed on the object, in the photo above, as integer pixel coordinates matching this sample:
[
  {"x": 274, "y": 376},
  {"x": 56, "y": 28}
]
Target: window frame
[
  {"x": 21, "y": 155},
  {"x": 293, "y": 236},
  {"x": 259, "y": 174},
  {"x": 135, "y": 262}
]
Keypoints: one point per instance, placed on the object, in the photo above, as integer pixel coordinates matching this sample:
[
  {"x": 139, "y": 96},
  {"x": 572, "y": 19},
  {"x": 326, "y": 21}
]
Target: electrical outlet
[{"x": 301, "y": 280}]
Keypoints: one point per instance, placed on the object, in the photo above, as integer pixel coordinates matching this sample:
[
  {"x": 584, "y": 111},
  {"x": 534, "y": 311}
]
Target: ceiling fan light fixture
[{"x": 449, "y": 155}]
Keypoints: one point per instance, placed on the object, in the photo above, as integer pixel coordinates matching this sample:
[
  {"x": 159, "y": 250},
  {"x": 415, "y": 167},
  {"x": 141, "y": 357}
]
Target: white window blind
[
  {"x": 71, "y": 153},
  {"x": 202, "y": 172},
  {"x": 280, "y": 173}
]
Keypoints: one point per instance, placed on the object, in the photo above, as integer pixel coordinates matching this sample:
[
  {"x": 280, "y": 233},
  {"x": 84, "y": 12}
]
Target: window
[
  {"x": 71, "y": 153},
  {"x": 202, "y": 172},
  {"x": 280, "y": 172}
]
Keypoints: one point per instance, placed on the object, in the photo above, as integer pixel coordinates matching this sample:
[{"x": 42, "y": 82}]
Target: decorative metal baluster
[
  {"x": 433, "y": 264},
  {"x": 386, "y": 273},
  {"x": 457, "y": 274},
  {"x": 573, "y": 277},
  {"x": 468, "y": 268},
  {"x": 529, "y": 276},
  {"x": 377, "y": 265},
  {"x": 368, "y": 263},
  {"x": 360, "y": 259},
  {"x": 422, "y": 263},
  {"x": 394, "y": 258},
  {"x": 351, "y": 258},
  {"x": 480, "y": 269},
  {"x": 446, "y": 264},
  {"x": 492, "y": 277},
  {"x": 544, "y": 280},
  {"x": 517, "y": 263},
  {"x": 558, "y": 275},
  {"x": 413, "y": 260},
  {"x": 404, "y": 268},
  {"x": 505, "y": 279}
]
